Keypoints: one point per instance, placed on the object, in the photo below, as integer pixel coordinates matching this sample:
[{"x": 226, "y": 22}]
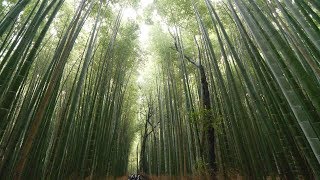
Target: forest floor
[{"x": 236, "y": 177}]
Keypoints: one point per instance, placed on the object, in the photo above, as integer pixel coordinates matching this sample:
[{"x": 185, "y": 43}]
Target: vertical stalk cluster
[
  {"x": 261, "y": 63},
  {"x": 65, "y": 108}
]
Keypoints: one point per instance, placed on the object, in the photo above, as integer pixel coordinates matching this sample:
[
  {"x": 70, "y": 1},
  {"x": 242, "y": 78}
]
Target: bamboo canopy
[{"x": 206, "y": 89}]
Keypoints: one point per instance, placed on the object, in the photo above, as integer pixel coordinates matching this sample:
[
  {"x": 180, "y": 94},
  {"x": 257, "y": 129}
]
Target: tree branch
[
  {"x": 153, "y": 127},
  {"x": 199, "y": 51},
  {"x": 185, "y": 56}
]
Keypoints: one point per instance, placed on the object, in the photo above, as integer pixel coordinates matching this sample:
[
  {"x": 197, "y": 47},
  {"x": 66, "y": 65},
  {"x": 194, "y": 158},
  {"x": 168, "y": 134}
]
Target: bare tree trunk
[
  {"x": 143, "y": 165},
  {"x": 143, "y": 168},
  {"x": 209, "y": 130}
]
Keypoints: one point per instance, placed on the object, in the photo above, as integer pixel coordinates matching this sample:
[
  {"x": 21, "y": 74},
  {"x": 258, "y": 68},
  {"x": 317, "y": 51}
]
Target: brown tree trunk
[
  {"x": 142, "y": 162},
  {"x": 143, "y": 166},
  {"x": 209, "y": 130}
]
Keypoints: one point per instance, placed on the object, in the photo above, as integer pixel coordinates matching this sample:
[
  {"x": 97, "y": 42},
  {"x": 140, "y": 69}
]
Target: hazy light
[
  {"x": 144, "y": 33},
  {"x": 53, "y": 32},
  {"x": 130, "y": 13},
  {"x": 4, "y": 3},
  {"x": 140, "y": 79},
  {"x": 145, "y": 3}
]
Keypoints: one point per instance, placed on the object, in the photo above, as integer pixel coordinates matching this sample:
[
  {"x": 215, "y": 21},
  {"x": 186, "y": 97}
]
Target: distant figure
[{"x": 134, "y": 177}]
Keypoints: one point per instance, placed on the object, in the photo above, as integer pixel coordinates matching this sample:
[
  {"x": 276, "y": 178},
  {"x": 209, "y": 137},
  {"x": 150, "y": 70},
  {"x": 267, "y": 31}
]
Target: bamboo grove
[
  {"x": 60, "y": 99},
  {"x": 235, "y": 89},
  {"x": 259, "y": 60}
]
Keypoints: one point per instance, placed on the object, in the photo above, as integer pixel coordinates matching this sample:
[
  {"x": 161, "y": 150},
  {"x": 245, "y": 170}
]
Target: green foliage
[
  {"x": 75, "y": 91},
  {"x": 206, "y": 118},
  {"x": 200, "y": 168}
]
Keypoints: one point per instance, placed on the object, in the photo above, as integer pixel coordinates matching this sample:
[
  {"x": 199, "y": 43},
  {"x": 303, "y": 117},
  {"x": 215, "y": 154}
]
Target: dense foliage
[{"x": 229, "y": 87}]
